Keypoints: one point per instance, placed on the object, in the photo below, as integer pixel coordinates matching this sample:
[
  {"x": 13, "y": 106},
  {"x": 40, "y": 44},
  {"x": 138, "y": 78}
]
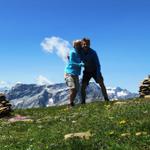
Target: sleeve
[{"x": 72, "y": 56}]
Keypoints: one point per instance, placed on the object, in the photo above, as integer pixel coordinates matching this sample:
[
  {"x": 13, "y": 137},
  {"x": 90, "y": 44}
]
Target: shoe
[
  {"x": 107, "y": 99},
  {"x": 83, "y": 102},
  {"x": 71, "y": 105}
]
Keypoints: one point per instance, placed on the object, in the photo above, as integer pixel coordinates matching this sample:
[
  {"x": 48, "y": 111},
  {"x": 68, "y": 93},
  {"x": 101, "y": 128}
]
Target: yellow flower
[
  {"x": 122, "y": 122},
  {"x": 140, "y": 133},
  {"x": 74, "y": 121},
  {"x": 66, "y": 109},
  {"x": 125, "y": 134},
  {"x": 145, "y": 112},
  {"x": 107, "y": 106},
  {"x": 111, "y": 132},
  {"x": 111, "y": 118}
]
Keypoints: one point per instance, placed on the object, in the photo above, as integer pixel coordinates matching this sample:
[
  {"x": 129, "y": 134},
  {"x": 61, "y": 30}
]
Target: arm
[{"x": 72, "y": 60}]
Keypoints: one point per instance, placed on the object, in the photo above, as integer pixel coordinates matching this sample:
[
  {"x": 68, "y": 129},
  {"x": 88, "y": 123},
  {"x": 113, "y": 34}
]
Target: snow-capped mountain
[
  {"x": 32, "y": 95},
  {"x": 4, "y": 89},
  {"x": 118, "y": 93}
]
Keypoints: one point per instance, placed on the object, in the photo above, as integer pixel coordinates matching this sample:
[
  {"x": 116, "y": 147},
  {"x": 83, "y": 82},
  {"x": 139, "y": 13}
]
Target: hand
[
  {"x": 65, "y": 75},
  {"x": 82, "y": 64}
]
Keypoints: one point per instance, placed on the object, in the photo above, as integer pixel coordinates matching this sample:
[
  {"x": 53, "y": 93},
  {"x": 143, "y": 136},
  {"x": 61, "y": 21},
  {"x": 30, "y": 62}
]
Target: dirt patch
[{"x": 18, "y": 118}]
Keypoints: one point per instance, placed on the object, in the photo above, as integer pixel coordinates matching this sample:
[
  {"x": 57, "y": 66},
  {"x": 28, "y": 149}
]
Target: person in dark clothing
[{"x": 92, "y": 70}]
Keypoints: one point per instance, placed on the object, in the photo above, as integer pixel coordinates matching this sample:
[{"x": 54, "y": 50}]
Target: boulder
[
  {"x": 144, "y": 89},
  {"x": 5, "y": 106}
]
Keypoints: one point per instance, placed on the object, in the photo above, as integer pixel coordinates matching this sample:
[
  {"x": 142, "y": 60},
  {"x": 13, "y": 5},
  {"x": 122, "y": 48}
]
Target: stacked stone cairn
[
  {"x": 5, "y": 106},
  {"x": 145, "y": 88}
]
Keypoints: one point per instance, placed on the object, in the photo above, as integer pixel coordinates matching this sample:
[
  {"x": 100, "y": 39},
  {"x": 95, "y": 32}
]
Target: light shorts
[{"x": 72, "y": 82}]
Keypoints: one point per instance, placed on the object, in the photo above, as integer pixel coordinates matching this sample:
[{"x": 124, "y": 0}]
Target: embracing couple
[{"x": 83, "y": 56}]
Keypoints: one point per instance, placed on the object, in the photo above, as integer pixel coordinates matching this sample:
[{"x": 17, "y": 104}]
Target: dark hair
[{"x": 86, "y": 40}]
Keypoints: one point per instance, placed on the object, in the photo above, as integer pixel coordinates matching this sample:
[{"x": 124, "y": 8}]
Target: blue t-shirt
[{"x": 74, "y": 64}]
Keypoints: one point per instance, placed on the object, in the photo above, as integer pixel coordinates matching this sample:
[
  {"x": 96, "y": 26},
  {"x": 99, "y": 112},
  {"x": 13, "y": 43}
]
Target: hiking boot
[
  {"x": 107, "y": 99},
  {"x": 83, "y": 102}
]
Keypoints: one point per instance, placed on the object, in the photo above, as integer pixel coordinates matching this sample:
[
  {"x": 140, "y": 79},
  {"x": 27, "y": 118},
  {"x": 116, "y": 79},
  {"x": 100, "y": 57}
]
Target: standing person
[
  {"x": 73, "y": 70},
  {"x": 92, "y": 70}
]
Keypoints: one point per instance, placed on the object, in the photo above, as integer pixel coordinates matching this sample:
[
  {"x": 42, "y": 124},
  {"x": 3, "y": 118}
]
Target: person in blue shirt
[
  {"x": 73, "y": 70},
  {"x": 92, "y": 70}
]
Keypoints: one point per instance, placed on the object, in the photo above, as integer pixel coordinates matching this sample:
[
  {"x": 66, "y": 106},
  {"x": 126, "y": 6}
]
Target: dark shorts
[{"x": 88, "y": 75}]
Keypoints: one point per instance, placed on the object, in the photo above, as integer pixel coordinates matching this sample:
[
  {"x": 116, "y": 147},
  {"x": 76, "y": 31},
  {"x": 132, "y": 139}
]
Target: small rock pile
[
  {"x": 5, "y": 106},
  {"x": 145, "y": 88}
]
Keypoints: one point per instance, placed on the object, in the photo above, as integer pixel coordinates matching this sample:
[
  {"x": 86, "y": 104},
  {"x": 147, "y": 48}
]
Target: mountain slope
[{"x": 32, "y": 95}]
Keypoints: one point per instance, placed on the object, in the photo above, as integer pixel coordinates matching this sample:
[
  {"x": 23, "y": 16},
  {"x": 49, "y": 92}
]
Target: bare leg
[{"x": 72, "y": 96}]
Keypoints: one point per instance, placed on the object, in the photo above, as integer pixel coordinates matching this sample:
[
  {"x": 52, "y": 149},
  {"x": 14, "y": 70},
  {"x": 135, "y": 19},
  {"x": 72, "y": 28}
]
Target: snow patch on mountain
[{"x": 33, "y": 95}]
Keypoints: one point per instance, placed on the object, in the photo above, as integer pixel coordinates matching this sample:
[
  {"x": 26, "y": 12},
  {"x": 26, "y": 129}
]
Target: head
[
  {"x": 77, "y": 45},
  {"x": 85, "y": 44}
]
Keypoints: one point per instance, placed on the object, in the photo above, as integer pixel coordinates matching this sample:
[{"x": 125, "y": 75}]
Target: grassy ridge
[{"x": 113, "y": 125}]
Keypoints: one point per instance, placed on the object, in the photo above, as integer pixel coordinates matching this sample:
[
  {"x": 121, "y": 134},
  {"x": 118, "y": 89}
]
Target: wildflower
[
  {"x": 40, "y": 126},
  {"x": 107, "y": 106},
  {"x": 111, "y": 118},
  {"x": 140, "y": 133},
  {"x": 122, "y": 122},
  {"x": 125, "y": 134},
  {"x": 73, "y": 121},
  {"x": 111, "y": 132},
  {"x": 66, "y": 109},
  {"x": 145, "y": 112},
  {"x": 120, "y": 103}
]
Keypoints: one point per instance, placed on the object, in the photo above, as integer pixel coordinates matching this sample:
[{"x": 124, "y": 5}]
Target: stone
[
  {"x": 147, "y": 96},
  {"x": 82, "y": 135},
  {"x": 144, "y": 89},
  {"x": 5, "y": 106},
  {"x": 19, "y": 118}
]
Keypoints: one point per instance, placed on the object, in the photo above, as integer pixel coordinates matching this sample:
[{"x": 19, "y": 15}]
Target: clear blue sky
[{"x": 119, "y": 31}]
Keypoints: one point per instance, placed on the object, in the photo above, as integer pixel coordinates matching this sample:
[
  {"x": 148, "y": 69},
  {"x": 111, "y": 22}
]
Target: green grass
[{"x": 106, "y": 122}]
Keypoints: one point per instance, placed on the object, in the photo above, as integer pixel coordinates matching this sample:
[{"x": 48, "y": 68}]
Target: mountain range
[{"x": 33, "y": 95}]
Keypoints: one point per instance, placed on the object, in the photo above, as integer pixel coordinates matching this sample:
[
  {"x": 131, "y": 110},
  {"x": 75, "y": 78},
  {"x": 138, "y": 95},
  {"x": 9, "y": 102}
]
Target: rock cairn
[
  {"x": 5, "y": 106},
  {"x": 145, "y": 88}
]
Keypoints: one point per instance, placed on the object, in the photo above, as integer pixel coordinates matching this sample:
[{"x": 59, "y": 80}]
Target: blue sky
[{"x": 119, "y": 31}]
